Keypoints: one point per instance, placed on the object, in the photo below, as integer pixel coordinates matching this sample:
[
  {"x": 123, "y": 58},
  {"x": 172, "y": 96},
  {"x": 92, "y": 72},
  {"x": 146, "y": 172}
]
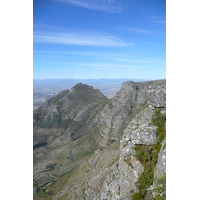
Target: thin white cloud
[
  {"x": 85, "y": 39},
  {"x": 47, "y": 27},
  {"x": 110, "y": 6},
  {"x": 111, "y": 57},
  {"x": 106, "y": 65},
  {"x": 157, "y": 19},
  {"x": 136, "y": 30},
  {"x": 91, "y": 65}
]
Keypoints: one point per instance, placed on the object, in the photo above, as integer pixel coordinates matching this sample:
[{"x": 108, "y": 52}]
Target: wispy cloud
[
  {"x": 85, "y": 39},
  {"x": 91, "y": 65},
  {"x": 107, "y": 65},
  {"x": 157, "y": 19},
  {"x": 136, "y": 30},
  {"x": 47, "y": 27},
  {"x": 110, "y": 6},
  {"x": 117, "y": 58}
]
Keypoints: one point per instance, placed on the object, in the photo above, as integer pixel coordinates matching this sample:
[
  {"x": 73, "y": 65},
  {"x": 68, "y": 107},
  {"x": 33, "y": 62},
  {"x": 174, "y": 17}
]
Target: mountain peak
[
  {"x": 69, "y": 103},
  {"x": 81, "y": 86},
  {"x": 85, "y": 89}
]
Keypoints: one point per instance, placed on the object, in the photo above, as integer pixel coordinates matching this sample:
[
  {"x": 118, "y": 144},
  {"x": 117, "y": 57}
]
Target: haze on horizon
[{"x": 99, "y": 39}]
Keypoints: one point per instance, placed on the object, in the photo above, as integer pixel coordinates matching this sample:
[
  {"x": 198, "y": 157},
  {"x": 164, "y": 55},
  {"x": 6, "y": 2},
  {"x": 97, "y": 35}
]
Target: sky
[{"x": 84, "y": 39}]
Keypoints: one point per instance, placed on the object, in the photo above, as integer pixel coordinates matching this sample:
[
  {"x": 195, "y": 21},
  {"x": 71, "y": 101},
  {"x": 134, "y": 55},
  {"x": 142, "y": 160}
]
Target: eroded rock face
[
  {"x": 138, "y": 131},
  {"x": 158, "y": 99},
  {"x": 94, "y": 154},
  {"x": 130, "y": 99},
  {"x": 160, "y": 168}
]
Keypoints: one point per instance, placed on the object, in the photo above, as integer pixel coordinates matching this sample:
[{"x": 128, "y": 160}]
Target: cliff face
[{"x": 89, "y": 147}]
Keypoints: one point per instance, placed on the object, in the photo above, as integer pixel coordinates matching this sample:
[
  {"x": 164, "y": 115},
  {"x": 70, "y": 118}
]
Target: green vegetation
[
  {"x": 129, "y": 161},
  {"x": 136, "y": 127},
  {"x": 137, "y": 196},
  {"x": 40, "y": 144},
  {"x": 58, "y": 185},
  {"x": 145, "y": 180},
  {"x": 148, "y": 156},
  {"x": 160, "y": 189},
  {"x": 83, "y": 147},
  {"x": 50, "y": 121},
  {"x": 125, "y": 144},
  {"x": 143, "y": 153},
  {"x": 51, "y": 166},
  {"x": 112, "y": 141},
  {"x": 58, "y": 96},
  {"x": 164, "y": 146},
  {"x": 57, "y": 117},
  {"x": 41, "y": 193},
  {"x": 159, "y": 120},
  {"x": 114, "y": 146}
]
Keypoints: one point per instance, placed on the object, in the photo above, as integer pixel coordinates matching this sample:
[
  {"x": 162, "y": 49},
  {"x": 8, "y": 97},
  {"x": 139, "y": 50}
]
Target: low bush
[
  {"x": 160, "y": 189},
  {"x": 51, "y": 166},
  {"x": 145, "y": 180},
  {"x": 137, "y": 196},
  {"x": 148, "y": 156}
]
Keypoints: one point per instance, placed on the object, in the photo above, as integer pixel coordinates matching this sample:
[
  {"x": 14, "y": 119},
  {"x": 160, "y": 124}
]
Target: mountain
[
  {"x": 45, "y": 89},
  {"x": 87, "y": 146}
]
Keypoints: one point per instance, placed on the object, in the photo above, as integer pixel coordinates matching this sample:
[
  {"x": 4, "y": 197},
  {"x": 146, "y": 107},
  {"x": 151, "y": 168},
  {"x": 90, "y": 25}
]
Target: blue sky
[{"x": 84, "y": 39}]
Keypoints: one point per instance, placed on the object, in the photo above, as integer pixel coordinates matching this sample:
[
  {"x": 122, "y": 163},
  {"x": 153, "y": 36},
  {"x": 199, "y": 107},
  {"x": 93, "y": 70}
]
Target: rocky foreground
[{"x": 89, "y": 147}]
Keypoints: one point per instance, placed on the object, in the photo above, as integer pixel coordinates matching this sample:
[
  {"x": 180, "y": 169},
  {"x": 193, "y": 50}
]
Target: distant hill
[{"x": 46, "y": 88}]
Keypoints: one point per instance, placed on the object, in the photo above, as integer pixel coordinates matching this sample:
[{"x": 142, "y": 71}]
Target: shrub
[
  {"x": 129, "y": 161},
  {"x": 112, "y": 141},
  {"x": 137, "y": 196},
  {"x": 40, "y": 144},
  {"x": 145, "y": 180},
  {"x": 51, "y": 166},
  {"x": 159, "y": 120},
  {"x": 148, "y": 156},
  {"x": 160, "y": 189}
]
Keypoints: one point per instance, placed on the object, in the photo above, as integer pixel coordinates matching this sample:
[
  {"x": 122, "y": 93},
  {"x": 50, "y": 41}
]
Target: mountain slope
[{"x": 89, "y": 147}]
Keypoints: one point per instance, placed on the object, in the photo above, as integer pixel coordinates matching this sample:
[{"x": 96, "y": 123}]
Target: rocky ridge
[{"x": 88, "y": 151}]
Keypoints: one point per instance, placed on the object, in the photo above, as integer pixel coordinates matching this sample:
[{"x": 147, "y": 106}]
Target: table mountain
[{"x": 89, "y": 147}]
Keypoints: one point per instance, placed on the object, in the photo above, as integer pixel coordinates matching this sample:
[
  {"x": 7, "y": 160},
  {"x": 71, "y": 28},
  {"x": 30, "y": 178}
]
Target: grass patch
[
  {"x": 164, "y": 146},
  {"x": 160, "y": 189},
  {"x": 143, "y": 154},
  {"x": 57, "y": 186},
  {"x": 125, "y": 145},
  {"x": 145, "y": 180},
  {"x": 137, "y": 196},
  {"x": 148, "y": 155},
  {"x": 128, "y": 161},
  {"x": 114, "y": 146},
  {"x": 159, "y": 120},
  {"x": 41, "y": 194}
]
